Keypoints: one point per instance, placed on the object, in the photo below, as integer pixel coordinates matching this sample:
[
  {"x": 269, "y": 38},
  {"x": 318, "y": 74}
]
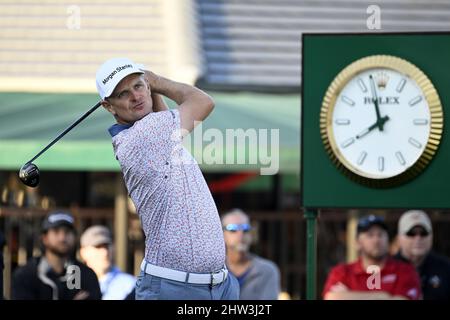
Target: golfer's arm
[
  {"x": 360, "y": 295},
  {"x": 194, "y": 104},
  {"x": 158, "y": 103}
]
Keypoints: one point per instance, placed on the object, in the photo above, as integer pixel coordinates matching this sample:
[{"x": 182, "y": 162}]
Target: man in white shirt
[{"x": 97, "y": 252}]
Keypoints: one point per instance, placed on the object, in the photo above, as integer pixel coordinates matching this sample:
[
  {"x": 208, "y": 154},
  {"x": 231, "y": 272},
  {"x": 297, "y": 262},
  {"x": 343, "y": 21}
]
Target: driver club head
[{"x": 29, "y": 174}]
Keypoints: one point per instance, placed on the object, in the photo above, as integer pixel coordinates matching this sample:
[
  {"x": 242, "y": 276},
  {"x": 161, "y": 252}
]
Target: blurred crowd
[{"x": 414, "y": 272}]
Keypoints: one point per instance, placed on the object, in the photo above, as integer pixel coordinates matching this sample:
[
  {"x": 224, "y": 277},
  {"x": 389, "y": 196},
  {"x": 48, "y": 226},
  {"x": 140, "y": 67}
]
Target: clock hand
[
  {"x": 366, "y": 131},
  {"x": 375, "y": 102},
  {"x": 379, "y": 123}
]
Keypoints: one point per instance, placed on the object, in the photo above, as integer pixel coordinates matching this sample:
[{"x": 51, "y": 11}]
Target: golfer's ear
[{"x": 108, "y": 106}]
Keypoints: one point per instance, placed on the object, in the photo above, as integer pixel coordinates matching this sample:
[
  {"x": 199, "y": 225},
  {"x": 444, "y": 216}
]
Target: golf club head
[{"x": 29, "y": 174}]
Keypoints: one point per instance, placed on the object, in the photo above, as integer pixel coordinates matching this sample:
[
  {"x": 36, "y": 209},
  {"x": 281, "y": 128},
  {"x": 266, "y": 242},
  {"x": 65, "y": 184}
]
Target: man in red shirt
[{"x": 375, "y": 275}]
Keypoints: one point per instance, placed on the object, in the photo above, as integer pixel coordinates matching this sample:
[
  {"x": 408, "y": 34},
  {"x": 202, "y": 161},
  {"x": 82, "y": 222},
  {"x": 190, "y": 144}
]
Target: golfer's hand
[
  {"x": 152, "y": 79},
  {"x": 158, "y": 103}
]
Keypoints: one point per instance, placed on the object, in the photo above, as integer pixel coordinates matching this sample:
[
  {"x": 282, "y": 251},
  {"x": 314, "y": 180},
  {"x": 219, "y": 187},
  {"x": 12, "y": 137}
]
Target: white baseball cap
[
  {"x": 413, "y": 218},
  {"x": 96, "y": 235},
  {"x": 112, "y": 72}
]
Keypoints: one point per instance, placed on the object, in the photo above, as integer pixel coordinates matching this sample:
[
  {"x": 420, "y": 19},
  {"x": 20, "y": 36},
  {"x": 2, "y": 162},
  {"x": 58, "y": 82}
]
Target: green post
[{"x": 311, "y": 254}]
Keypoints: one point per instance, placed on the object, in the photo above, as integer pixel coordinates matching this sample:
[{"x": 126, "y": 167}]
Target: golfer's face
[{"x": 131, "y": 99}]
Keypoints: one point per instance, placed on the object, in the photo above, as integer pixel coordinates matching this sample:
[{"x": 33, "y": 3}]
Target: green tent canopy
[{"x": 29, "y": 121}]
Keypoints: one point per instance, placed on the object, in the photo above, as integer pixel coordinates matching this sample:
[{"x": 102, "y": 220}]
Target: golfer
[{"x": 184, "y": 245}]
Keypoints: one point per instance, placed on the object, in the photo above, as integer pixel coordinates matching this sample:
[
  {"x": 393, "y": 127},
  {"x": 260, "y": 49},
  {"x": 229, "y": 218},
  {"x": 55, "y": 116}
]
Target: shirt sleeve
[
  {"x": 408, "y": 284},
  {"x": 336, "y": 275}
]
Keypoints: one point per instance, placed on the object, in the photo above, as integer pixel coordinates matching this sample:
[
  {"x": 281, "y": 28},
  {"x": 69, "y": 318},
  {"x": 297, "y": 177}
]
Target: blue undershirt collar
[{"x": 115, "y": 129}]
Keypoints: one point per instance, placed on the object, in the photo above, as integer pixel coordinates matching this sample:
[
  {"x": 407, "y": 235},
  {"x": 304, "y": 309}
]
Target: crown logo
[{"x": 382, "y": 80}]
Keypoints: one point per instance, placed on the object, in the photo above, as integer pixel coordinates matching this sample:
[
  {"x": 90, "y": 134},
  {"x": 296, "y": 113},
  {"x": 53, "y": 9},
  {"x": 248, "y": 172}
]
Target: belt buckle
[
  {"x": 212, "y": 279},
  {"x": 218, "y": 281}
]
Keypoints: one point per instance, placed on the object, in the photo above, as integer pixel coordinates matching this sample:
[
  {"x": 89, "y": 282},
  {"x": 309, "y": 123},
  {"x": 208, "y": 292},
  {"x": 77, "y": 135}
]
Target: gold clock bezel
[{"x": 430, "y": 94}]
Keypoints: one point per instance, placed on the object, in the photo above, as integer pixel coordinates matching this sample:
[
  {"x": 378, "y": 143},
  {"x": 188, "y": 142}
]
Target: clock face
[
  {"x": 381, "y": 121},
  {"x": 372, "y": 152}
]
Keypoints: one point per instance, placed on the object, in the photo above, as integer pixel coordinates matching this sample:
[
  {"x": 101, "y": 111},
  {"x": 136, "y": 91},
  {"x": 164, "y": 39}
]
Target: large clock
[{"x": 381, "y": 121}]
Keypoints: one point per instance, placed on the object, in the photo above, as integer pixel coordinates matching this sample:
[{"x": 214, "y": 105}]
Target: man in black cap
[
  {"x": 415, "y": 239},
  {"x": 56, "y": 275},
  {"x": 375, "y": 275}
]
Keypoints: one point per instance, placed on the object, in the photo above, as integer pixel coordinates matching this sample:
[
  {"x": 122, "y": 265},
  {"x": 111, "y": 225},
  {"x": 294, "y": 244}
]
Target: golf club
[{"x": 29, "y": 173}]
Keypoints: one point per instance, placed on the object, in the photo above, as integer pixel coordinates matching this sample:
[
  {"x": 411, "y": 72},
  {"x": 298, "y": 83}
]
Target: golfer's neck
[{"x": 120, "y": 121}]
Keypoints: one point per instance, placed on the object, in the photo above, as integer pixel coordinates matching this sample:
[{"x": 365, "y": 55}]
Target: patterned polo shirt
[{"x": 177, "y": 212}]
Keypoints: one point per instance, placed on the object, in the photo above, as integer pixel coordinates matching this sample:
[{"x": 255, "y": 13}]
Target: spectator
[
  {"x": 97, "y": 252},
  {"x": 56, "y": 275},
  {"x": 259, "y": 278},
  {"x": 375, "y": 275},
  {"x": 415, "y": 239}
]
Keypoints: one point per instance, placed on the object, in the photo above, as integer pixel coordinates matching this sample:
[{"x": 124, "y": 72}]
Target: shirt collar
[
  {"x": 388, "y": 266},
  {"x": 115, "y": 129},
  {"x": 358, "y": 267}
]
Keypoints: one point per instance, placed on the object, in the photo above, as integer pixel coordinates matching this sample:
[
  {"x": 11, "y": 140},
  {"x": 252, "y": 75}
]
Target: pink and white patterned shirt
[{"x": 177, "y": 212}]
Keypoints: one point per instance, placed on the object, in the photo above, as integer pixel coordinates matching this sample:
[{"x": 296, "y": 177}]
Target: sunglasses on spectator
[
  {"x": 422, "y": 233},
  {"x": 234, "y": 227},
  {"x": 102, "y": 245}
]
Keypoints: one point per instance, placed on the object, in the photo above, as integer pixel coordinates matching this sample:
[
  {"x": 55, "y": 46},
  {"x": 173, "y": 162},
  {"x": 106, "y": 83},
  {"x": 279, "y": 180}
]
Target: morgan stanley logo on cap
[{"x": 111, "y": 72}]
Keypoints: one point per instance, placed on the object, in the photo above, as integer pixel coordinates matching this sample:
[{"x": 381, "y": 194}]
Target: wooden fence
[{"x": 278, "y": 236}]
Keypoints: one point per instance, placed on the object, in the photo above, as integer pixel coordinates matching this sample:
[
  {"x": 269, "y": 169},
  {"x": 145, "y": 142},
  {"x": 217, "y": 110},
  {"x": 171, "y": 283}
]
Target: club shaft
[{"x": 62, "y": 134}]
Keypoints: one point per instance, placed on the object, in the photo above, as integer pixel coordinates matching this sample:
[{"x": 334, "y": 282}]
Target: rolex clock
[{"x": 381, "y": 121}]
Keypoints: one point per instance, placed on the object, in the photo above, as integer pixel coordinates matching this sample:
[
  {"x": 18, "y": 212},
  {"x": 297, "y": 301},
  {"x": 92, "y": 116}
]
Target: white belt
[{"x": 198, "y": 278}]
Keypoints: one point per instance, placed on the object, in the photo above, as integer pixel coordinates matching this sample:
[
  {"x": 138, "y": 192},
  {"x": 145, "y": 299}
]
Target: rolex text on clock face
[{"x": 380, "y": 123}]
